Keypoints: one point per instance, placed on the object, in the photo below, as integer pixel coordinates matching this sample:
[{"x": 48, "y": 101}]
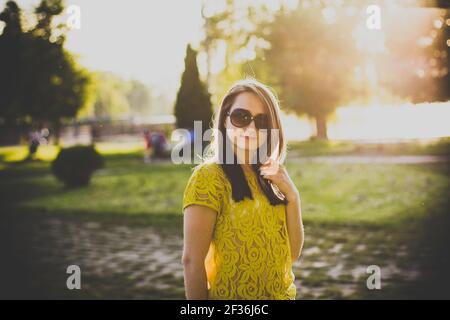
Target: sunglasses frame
[{"x": 251, "y": 117}]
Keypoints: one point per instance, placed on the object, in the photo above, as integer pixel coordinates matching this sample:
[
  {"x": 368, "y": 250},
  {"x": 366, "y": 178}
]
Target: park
[
  {"x": 81, "y": 183},
  {"x": 128, "y": 221}
]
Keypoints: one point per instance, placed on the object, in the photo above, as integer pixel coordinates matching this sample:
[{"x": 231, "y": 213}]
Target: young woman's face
[{"x": 247, "y": 138}]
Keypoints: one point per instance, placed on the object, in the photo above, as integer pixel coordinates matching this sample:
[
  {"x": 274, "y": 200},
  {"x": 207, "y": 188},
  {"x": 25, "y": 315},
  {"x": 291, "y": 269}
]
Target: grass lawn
[
  {"x": 329, "y": 148},
  {"x": 336, "y": 193}
]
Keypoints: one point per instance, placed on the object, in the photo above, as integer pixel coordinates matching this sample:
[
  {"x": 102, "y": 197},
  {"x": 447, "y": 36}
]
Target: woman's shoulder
[
  {"x": 209, "y": 169},
  {"x": 206, "y": 186},
  {"x": 209, "y": 175}
]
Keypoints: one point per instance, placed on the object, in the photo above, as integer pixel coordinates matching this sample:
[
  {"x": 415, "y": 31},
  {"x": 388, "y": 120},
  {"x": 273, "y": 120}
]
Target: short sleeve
[{"x": 204, "y": 188}]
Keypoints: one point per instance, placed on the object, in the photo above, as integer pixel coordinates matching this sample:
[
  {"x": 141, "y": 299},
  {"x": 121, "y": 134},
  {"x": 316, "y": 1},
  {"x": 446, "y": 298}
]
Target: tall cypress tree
[{"x": 193, "y": 100}]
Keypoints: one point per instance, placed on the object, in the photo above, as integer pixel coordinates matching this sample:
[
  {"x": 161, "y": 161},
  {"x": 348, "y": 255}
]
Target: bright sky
[{"x": 141, "y": 39}]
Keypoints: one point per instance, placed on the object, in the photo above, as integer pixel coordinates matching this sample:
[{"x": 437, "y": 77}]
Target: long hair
[{"x": 219, "y": 148}]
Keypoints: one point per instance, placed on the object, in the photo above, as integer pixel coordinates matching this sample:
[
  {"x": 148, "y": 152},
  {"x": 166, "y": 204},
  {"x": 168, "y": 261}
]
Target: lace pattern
[{"x": 249, "y": 256}]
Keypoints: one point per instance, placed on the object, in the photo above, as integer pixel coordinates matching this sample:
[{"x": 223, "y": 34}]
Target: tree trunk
[
  {"x": 57, "y": 132},
  {"x": 321, "y": 128}
]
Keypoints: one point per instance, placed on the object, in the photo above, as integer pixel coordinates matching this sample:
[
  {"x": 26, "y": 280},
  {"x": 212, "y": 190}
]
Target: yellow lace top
[{"x": 249, "y": 255}]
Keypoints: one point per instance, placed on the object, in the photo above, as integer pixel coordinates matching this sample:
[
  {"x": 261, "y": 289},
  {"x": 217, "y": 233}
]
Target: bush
[{"x": 74, "y": 166}]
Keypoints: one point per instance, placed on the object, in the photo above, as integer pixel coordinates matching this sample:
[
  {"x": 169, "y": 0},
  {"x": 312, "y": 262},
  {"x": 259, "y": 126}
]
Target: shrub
[{"x": 74, "y": 166}]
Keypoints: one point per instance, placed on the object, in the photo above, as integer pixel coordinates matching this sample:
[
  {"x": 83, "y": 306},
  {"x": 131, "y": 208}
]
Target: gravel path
[{"x": 144, "y": 262}]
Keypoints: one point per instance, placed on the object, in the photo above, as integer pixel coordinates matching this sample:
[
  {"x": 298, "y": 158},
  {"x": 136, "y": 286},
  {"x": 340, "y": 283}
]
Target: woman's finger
[
  {"x": 269, "y": 171},
  {"x": 264, "y": 168},
  {"x": 267, "y": 165}
]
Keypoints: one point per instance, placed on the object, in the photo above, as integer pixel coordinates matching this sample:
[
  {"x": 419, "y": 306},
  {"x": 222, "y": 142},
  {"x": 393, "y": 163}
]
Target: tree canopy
[{"x": 40, "y": 80}]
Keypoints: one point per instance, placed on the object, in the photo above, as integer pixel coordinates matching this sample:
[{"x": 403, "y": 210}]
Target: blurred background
[{"x": 91, "y": 91}]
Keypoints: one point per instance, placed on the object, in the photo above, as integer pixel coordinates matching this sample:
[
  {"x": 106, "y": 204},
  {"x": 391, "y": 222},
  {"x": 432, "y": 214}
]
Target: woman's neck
[{"x": 243, "y": 157}]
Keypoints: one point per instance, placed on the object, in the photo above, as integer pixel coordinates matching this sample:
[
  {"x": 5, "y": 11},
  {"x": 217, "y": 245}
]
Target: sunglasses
[{"x": 241, "y": 118}]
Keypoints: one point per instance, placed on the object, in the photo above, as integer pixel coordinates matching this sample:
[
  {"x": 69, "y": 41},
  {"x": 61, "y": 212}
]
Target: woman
[{"x": 242, "y": 220}]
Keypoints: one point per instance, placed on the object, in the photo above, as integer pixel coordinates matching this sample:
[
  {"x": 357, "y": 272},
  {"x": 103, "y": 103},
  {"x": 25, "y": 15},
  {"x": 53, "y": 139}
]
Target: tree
[
  {"x": 193, "y": 102},
  {"x": 416, "y": 67},
  {"x": 313, "y": 62},
  {"x": 231, "y": 33},
  {"x": 115, "y": 97},
  {"x": 320, "y": 55},
  {"x": 442, "y": 51},
  {"x": 436, "y": 72},
  {"x": 307, "y": 59},
  {"x": 10, "y": 45},
  {"x": 139, "y": 98},
  {"x": 45, "y": 12},
  {"x": 42, "y": 82},
  {"x": 110, "y": 96}
]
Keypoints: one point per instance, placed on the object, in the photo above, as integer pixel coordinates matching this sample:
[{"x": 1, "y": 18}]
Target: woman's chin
[{"x": 250, "y": 146}]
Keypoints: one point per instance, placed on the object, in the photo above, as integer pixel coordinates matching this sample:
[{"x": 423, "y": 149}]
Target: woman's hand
[{"x": 277, "y": 174}]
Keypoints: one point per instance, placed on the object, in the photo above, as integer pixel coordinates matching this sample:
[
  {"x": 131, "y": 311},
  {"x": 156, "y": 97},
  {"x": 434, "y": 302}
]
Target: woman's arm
[
  {"x": 277, "y": 173},
  {"x": 295, "y": 225},
  {"x": 199, "y": 224}
]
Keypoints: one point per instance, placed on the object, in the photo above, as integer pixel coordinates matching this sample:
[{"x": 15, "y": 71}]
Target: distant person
[
  {"x": 35, "y": 141},
  {"x": 45, "y": 133},
  {"x": 95, "y": 133},
  {"x": 159, "y": 143},
  {"x": 148, "y": 153}
]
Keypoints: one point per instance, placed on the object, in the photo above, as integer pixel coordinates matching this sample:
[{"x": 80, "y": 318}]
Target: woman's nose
[{"x": 250, "y": 131}]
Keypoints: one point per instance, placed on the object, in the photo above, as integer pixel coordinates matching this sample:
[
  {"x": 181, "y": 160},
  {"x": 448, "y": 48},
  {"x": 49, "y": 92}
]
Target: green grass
[
  {"x": 374, "y": 194},
  {"x": 49, "y": 152},
  {"x": 367, "y": 193},
  {"x": 323, "y": 148}
]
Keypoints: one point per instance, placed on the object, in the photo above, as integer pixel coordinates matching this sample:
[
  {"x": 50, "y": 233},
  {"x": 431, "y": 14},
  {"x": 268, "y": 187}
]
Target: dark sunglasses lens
[
  {"x": 240, "y": 118},
  {"x": 261, "y": 121}
]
